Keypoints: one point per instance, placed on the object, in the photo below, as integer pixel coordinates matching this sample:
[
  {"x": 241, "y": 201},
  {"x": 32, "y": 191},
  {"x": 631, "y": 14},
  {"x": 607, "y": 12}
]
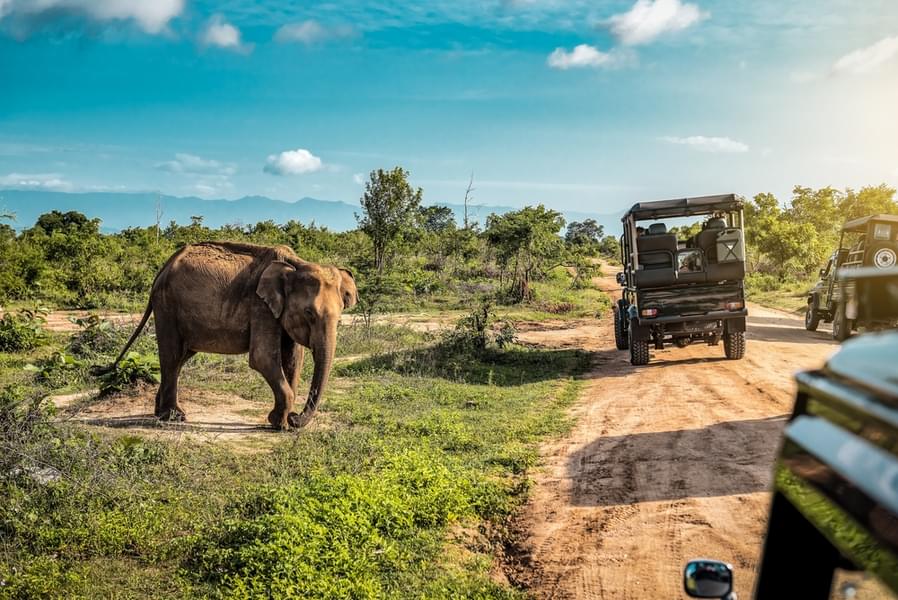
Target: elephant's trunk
[{"x": 323, "y": 354}]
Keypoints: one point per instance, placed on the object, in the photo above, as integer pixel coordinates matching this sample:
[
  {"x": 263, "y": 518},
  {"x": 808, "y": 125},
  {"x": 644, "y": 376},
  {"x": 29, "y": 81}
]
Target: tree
[
  {"x": 390, "y": 206},
  {"x": 584, "y": 233},
  {"x": 525, "y": 242},
  {"x": 72, "y": 220},
  {"x": 868, "y": 201},
  {"x": 436, "y": 219}
]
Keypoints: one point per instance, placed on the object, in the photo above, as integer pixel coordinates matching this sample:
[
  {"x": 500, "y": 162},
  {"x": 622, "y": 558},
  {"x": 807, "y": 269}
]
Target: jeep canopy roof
[
  {"x": 684, "y": 207},
  {"x": 860, "y": 225}
]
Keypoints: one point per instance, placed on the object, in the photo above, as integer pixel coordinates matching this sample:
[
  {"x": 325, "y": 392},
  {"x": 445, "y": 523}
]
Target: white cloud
[
  {"x": 648, "y": 19},
  {"x": 191, "y": 163},
  {"x": 293, "y": 162},
  {"x": 581, "y": 56},
  {"x": 709, "y": 144},
  {"x": 47, "y": 181},
  {"x": 865, "y": 60},
  {"x": 152, "y": 16},
  {"x": 311, "y": 32},
  {"x": 359, "y": 178},
  {"x": 221, "y": 34}
]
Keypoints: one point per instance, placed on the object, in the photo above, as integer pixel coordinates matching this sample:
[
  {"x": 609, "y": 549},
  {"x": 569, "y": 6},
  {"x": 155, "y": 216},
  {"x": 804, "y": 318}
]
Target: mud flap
[
  {"x": 736, "y": 325},
  {"x": 639, "y": 332}
]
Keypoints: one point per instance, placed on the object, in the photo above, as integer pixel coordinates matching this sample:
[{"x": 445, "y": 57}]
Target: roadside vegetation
[{"x": 401, "y": 487}]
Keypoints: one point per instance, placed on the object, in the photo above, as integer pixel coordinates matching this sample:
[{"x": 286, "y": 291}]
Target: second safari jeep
[{"x": 870, "y": 241}]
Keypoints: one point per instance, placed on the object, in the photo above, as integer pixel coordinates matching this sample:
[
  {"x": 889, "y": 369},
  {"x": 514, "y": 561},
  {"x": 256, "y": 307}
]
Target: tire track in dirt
[{"x": 665, "y": 463}]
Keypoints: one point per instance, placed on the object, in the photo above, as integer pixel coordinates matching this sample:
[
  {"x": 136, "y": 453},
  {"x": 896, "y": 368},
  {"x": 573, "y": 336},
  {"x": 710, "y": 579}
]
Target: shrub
[
  {"x": 97, "y": 336},
  {"x": 58, "y": 369},
  {"x": 347, "y": 536},
  {"x": 23, "y": 331},
  {"x": 132, "y": 369}
]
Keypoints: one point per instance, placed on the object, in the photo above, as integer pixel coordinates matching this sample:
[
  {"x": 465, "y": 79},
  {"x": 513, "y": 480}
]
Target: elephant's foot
[
  {"x": 282, "y": 420},
  {"x": 171, "y": 415},
  {"x": 278, "y": 419}
]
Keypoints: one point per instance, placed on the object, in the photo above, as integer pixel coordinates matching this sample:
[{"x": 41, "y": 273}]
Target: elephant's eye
[{"x": 310, "y": 313}]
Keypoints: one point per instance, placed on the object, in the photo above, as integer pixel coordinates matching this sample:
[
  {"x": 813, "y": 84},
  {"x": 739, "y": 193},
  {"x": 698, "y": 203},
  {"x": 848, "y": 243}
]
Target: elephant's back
[{"x": 212, "y": 283}]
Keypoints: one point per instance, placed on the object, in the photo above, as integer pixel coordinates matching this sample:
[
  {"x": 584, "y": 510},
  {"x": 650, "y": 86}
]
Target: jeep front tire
[
  {"x": 812, "y": 316},
  {"x": 620, "y": 327}
]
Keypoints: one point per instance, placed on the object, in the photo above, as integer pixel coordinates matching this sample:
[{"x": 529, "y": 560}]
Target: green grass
[
  {"x": 421, "y": 439},
  {"x": 790, "y": 296}
]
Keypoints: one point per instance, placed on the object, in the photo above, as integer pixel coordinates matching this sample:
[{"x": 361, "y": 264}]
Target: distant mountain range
[{"x": 120, "y": 210}]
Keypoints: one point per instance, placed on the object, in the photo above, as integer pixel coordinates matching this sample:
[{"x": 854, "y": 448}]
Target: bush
[
  {"x": 762, "y": 282},
  {"x": 132, "y": 369},
  {"x": 97, "y": 336},
  {"x": 59, "y": 369},
  {"x": 347, "y": 536},
  {"x": 23, "y": 331}
]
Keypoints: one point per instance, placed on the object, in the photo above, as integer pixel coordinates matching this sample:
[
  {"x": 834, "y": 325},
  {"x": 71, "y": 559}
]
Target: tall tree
[{"x": 389, "y": 207}]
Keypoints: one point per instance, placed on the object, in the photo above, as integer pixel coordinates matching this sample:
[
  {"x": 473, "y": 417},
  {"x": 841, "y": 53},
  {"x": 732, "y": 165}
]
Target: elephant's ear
[
  {"x": 271, "y": 286},
  {"x": 348, "y": 289}
]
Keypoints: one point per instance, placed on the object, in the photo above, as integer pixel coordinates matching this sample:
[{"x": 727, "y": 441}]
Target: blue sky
[{"x": 578, "y": 105}]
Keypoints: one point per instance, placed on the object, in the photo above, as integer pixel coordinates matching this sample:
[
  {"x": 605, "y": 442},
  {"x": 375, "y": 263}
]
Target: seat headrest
[
  {"x": 657, "y": 229},
  {"x": 716, "y": 224}
]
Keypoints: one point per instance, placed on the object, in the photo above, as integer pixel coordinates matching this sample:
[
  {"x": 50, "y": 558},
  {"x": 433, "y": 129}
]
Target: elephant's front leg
[
  {"x": 292, "y": 355},
  {"x": 267, "y": 361}
]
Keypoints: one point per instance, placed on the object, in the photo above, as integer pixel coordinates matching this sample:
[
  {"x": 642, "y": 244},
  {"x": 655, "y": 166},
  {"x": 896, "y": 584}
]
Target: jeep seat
[
  {"x": 706, "y": 239},
  {"x": 657, "y": 251}
]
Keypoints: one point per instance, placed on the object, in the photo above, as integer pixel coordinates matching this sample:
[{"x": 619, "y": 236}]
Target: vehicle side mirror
[
  {"x": 705, "y": 578},
  {"x": 822, "y": 272},
  {"x": 621, "y": 278}
]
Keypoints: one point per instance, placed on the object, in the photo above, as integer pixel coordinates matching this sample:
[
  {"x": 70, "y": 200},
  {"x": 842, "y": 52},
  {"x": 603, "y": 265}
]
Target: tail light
[
  {"x": 735, "y": 305},
  {"x": 649, "y": 312}
]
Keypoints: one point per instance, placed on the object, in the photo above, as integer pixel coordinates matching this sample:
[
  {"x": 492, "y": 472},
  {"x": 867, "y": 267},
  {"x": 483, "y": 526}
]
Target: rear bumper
[{"x": 720, "y": 315}]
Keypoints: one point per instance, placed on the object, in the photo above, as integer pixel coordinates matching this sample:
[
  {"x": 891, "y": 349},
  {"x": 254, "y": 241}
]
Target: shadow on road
[
  {"x": 672, "y": 465},
  {"x": 150, "y": 422},
  {"x": 789, "y": 335}
]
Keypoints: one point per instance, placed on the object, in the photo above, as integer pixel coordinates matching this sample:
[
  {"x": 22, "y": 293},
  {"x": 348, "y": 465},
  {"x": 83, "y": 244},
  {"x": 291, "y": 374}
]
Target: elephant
[{"x": 234, "y": 298}]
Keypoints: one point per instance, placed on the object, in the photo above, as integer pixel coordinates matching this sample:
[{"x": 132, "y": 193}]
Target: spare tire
[{"x": 883, "y": 257}]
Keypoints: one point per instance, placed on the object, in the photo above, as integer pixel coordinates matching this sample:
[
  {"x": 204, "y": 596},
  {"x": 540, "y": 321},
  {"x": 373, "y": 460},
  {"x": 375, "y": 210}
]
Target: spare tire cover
[{"x": 884, "y": 258}]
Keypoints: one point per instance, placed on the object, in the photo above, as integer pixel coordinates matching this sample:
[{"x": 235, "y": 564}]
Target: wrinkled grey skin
[{"x": 231, "y": 298}]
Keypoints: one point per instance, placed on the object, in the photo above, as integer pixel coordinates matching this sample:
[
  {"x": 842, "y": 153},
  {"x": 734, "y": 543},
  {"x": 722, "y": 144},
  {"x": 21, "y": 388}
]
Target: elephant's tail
[{"x": 99, "y": 370}]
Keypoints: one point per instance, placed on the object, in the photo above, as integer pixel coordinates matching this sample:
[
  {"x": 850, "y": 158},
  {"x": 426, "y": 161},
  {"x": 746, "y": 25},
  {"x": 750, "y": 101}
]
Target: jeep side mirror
[
  {"x": 621, "y": 278},
  {"x": 705, "y": 578},
  {"x": 822, "y": 272}
]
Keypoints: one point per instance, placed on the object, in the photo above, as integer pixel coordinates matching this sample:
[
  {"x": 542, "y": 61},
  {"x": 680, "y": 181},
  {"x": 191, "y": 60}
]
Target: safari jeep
[
  {"x": 833, "y": 525},
  {"x": 866, "y": 242},
  {"x": 679, "y": 289}
]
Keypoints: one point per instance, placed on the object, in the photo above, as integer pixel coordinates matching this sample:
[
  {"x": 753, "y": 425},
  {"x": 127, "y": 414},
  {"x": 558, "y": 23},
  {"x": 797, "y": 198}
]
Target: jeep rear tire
[
  {"x": 620, "y": 331},
  {"x": 639, "y": 352},
  {"x": 734, "y": 345},
  {"x": 841, "y": 325},
  {"x": 682, "y": 342},
  {"x": 812, "y": 316}
]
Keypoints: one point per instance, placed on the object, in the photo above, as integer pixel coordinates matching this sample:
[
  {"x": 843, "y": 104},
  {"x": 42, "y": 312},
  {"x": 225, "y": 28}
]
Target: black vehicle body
[
  {"x": 870, "y": 241},
  {"x": 834, "y": 515},
  {"x": 680, "y": 291}
]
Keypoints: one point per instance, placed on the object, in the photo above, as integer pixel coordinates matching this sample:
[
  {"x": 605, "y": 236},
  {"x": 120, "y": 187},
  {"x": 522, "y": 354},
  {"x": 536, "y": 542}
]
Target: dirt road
[{"x": 666, "y": 462}]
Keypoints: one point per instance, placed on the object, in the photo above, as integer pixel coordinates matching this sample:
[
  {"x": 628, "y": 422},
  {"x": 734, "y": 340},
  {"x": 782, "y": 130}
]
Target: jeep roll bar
[{"x": 671, "y": 209}]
